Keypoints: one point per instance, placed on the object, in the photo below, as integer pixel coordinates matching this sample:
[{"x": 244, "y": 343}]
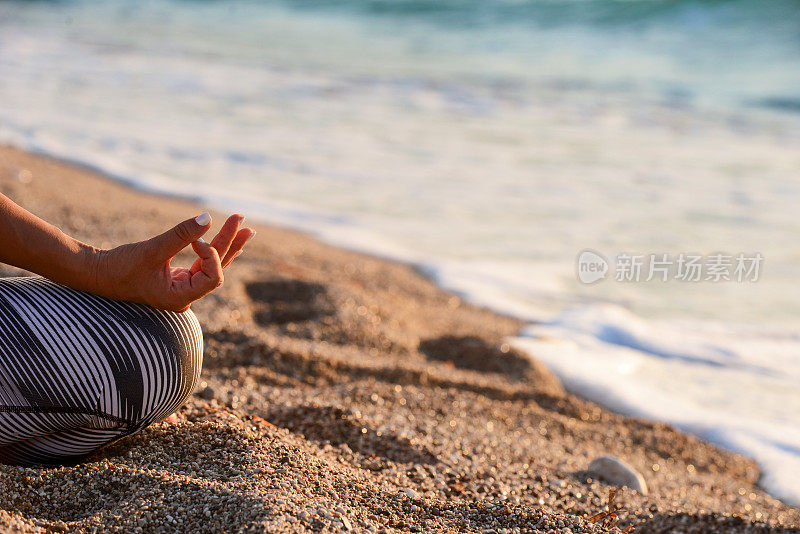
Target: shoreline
[{"x": 358, "y": 368}]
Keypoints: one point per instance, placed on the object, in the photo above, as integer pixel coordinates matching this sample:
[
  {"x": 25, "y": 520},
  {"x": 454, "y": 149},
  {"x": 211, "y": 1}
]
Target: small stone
[
  {"x": 410, "y": 493},
  {"x": 346, "y": 522},
  {"x": 24, "y": 176},
  {"x": 616, "y": 472}
]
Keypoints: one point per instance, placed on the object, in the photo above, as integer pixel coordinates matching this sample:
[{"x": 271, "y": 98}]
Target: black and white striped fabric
[{"x": 78, "y": 371}]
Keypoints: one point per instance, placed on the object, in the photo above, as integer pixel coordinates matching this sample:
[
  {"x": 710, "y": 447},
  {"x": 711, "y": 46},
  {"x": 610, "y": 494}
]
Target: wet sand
[{"x": 345, "y": 392}]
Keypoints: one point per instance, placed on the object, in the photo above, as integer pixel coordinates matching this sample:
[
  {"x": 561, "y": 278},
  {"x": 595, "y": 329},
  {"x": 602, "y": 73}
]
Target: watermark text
[{"x": 742, "y": 267}]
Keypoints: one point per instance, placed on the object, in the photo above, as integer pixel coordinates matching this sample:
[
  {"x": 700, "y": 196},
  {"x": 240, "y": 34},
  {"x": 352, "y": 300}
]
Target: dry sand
[{"x": 345, "y": 392}]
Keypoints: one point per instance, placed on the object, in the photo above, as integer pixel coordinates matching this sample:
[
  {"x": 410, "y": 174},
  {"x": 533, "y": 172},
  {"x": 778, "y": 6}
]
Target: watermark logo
[
  {"x": 591, "y": 266},
  {"x": 684, "y": 267}
]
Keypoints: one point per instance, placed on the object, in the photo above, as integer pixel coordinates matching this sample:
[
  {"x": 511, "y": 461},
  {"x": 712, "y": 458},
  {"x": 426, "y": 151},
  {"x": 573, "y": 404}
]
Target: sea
[{"x": 491, "y": 143}]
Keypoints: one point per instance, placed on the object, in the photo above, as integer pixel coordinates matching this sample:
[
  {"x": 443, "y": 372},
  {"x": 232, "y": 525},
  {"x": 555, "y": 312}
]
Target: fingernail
[
  {"x": 251, "y": 237},
  {"x": 203, "y": 219},
  {"x": 238, "y": 254},
  {"x": 201, "y": 240}
]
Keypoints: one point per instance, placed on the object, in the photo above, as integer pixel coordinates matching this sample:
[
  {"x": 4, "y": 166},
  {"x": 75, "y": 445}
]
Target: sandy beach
[{"x": 345, "y": 392}]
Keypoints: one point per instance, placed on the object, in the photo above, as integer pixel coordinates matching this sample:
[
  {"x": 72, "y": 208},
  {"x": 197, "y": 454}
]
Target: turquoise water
[{"x": 490, "y": 142}]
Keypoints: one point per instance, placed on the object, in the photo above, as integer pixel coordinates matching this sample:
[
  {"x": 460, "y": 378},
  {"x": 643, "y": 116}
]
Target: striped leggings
[{"x": 78, "y": 371}]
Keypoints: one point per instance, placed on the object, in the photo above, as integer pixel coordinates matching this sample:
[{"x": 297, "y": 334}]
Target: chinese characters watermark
[{"x": 591, "y": 267}]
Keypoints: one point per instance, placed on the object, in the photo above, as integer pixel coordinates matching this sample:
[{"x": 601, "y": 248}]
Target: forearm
[{"x": 28, "y": 242}]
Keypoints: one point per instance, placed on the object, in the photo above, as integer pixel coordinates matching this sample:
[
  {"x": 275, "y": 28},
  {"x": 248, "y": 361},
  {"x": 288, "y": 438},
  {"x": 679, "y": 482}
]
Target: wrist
[{"x": 92, "y": 268}]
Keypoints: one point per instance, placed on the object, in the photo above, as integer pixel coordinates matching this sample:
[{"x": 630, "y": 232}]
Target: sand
[{"x": 345, "y": 392}]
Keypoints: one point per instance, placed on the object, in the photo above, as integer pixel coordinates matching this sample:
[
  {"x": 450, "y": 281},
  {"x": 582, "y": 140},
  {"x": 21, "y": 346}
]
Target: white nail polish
[
  {"x": 201, "y": 240},
  {"x": 203, "y": 219}
]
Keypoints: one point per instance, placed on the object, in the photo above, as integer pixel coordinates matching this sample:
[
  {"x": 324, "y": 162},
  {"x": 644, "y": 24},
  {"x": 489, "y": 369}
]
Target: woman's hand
[{"x": 141, "y": 272}]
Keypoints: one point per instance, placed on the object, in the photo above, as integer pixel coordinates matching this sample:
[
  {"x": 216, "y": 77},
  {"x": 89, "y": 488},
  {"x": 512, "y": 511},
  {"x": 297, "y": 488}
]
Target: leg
[{"x": 79, "y": 371}]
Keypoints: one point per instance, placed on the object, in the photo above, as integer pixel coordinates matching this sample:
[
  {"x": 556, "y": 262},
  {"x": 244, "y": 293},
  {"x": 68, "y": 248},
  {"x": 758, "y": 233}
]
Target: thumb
[{"x": 176, "y": 239}]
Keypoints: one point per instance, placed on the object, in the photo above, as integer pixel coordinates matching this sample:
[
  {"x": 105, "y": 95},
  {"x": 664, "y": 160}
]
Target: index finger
[{"x": 209, "y": 275}]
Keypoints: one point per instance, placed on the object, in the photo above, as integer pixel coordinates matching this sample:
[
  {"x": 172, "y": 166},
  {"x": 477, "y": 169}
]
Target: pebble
[
  {"x": 616, "y": 472},
  {"x": 24, "y": 176},
  {"x": 410, "y": 493}
]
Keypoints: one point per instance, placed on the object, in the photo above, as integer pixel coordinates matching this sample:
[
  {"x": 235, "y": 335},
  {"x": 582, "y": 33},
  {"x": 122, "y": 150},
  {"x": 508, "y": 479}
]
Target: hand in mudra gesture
[
  {"x": 137, "y": 272},
  {"x": 142, "y": 272}
]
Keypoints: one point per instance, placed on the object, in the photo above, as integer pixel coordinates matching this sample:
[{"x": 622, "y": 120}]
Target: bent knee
[
  {"x": 188, "y": 343},
  {"x": 171, "y": 381}
]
